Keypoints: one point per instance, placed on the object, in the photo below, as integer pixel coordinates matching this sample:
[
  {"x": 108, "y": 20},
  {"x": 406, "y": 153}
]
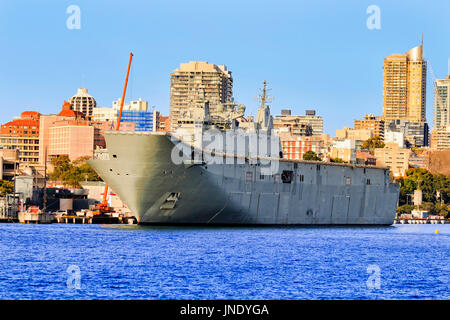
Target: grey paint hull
[{"x": 141, "y": 172}]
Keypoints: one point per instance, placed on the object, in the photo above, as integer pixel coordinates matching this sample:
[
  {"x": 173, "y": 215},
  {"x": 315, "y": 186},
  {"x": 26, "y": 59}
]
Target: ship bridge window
[{"x": 286, "y": 176}]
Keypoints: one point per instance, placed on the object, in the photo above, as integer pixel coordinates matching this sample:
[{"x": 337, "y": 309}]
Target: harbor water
[{"x": 60, "y": 261}]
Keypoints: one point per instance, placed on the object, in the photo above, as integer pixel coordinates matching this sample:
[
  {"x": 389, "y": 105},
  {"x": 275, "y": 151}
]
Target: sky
[{"x": 314, "y": 54}]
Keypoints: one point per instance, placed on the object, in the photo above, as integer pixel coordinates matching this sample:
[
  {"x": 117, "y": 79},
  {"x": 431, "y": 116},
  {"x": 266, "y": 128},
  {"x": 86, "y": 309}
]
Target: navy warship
[{"x": 215, "y": 170}]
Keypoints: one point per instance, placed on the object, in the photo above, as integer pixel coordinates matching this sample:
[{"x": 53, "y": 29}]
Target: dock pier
[{"x": 421, "y": 221}]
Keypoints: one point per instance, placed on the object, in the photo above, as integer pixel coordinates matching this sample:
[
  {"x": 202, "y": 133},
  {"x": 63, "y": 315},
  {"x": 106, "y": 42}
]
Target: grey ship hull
[{"x": 141, "y": 172}]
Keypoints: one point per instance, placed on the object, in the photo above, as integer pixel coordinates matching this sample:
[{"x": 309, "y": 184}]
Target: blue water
[{"x": 132, "y": 262}]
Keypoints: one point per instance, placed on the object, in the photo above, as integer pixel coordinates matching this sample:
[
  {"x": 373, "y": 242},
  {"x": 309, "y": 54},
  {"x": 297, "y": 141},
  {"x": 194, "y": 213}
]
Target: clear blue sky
[{"x": 314, "y": 54}]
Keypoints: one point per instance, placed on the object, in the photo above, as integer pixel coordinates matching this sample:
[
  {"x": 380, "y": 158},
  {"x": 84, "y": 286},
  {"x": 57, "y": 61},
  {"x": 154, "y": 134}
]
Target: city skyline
[{"x": 289, "y": 48}]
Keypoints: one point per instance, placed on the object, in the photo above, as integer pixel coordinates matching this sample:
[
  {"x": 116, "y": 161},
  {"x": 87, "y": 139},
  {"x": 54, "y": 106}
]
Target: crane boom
[{"x": 104, "y": 203}]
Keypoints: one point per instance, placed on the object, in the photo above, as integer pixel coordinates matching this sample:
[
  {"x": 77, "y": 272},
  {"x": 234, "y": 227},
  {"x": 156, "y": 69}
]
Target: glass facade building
[{"x": 143, "y": 120}]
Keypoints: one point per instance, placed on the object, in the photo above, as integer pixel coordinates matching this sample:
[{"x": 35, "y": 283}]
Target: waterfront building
[
  {"x": 198, "y": 78},
  {"x": 440, "y": 138},
  {"x": 83, "y": 102},
  {"x": 372, "y": 123},
  {"x": 393, "y": 157},
  {"x": 404, "y": 88},
  {"x": 308, "y": 124},
  {"x": 22, "y": 134},
  {"x": 442, "y": 103}
]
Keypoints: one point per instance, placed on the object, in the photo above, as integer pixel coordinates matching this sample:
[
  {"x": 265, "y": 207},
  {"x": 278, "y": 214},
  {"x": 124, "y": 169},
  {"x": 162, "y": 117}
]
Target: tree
[
  {"x": 372, "y": 144},
  {"x": 311, "y": 156},
  {"x": 71, "y": 173},
  {"x": 406, "y": 208},
  {"x": 6, "y": 187},
  {"x": 431, "y": 185}
]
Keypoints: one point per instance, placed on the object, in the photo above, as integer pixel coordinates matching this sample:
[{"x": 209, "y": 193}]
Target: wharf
[
  {"x": 75, "y": 219},
  {"x": 7, "y": 219},
  {"x": 421, "y": 221},
  {"x": 35, "y": 217}
]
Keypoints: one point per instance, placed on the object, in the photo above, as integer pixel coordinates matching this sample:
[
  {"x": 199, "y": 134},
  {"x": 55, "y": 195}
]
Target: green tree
[
  {"x": 431, "y": 185},
  {"x": 6, "y": 187},
  {"x": 372, "y": 144},
  {"x": 71, "y": 173},
  {"x": 311, "y": 156},
  {"x": 406, "y": 208}
]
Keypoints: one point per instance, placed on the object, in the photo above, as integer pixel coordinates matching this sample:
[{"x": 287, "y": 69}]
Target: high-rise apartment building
[
  {"x": 198, "y": 79},
  {"x": 440, "y": 138},
  {"x": 373, "y": 123},
  {"x": 404, "y": 89},
  {"x": 442, "y": 103},
  {"x": 83, "y": 102}
]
